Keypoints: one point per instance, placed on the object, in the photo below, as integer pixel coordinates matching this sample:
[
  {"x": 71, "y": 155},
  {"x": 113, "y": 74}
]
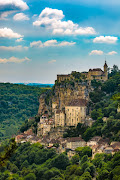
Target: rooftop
[
  {"x": 97, "y": 69},
  {"x": 78, "y": 102},
  {"x": 74, "y": 139}
]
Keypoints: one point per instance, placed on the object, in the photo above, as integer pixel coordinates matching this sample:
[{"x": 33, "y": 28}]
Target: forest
[
  {"x": 34, "y": 162},
  {"x": 17, "y": 103}
]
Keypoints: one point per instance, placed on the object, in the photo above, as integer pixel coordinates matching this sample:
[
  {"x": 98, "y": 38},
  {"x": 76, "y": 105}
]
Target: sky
[{"x": 42, "y": 38}]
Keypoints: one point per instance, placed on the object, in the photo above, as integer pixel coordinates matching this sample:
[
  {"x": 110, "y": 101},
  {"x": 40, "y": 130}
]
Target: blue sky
[{"x": 42, "y": 38}]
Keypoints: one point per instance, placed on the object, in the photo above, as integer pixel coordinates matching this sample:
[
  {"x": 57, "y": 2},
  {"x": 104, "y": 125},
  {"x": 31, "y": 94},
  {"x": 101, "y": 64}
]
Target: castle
[
  {"x": 97, "y": 74},
  {"x": 68, "y": 103}
]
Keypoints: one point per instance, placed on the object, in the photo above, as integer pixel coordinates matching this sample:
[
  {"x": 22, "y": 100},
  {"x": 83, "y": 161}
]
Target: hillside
[
  {"x": 17, "y": 103},
  {"x": 34, "y": 162}
]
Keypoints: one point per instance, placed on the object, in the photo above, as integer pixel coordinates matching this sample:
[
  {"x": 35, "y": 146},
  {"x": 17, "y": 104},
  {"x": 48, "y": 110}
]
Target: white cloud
[
  {"x": 4, "y": 15},
  {"x": 10, "y": 6},
  {"x": 19, "y": 40},
  {"x": 53, "y": 19},
  {"x": 112, "y": 53},
  {"x": 52, "y": 13},
  {"x": 13, "y": 48},
  {"x": 8, "y": 33},
  {"x": 83, "y": 31},
  {"x": 20, "y": 4},
  {"x": 20, "y": 17},
  {"x": 65, "y": 43},
  {"x": 13, "y": 60},
  {"x": 105, "y": 39},
  {"x": 36, "y": 44},
  {"x": 51, "y": 43},
  {"x": 52, "y": 61},
  {"x": 96, "y": 52}
]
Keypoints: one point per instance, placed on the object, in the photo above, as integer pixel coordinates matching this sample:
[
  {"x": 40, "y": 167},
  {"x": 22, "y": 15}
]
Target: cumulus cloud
[
  {"x": 51, "y": 43},
  {"x": 19, "y": 40},
  {"x": 13, "y": 48},
  {"x": 96, "y": 52},
  {"x": 20, "y": 17},
  {"x": 105, "y": 39},
  {"x": 52, "y": 61},
  {"x": 8, "y": 33},
  {"x": 13, "y": 60},
  {"x": 4, "y": 15},
  {"x": 112, "y": 53},
  {"x": 10, "y": 6},
  {"x": 53, "y": 19}
]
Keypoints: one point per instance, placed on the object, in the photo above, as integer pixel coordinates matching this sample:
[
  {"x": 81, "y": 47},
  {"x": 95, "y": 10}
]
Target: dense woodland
[
  {"x": 34, "y": 162},
  {"x": 17, "y": 104}
]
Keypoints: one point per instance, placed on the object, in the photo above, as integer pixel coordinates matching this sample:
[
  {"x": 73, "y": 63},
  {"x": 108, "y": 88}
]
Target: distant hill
[
  {"x": 18, "y": 102},
  {"x": 37, "y": 84}
]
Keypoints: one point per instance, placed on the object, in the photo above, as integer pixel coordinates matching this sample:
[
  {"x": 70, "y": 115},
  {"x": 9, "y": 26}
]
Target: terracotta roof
[
  {"x": 74, "y": 139},
  {"x": 78, "y": 102}
]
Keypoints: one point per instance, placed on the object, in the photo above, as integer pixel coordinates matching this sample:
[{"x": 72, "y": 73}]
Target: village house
[
  {"x": 75, "y": 142},
  {"x": 108, "y": 150},
  {"x": 93, "y": 141}
]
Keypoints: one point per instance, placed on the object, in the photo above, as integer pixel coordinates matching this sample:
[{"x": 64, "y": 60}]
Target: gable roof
[
  {"x": 75, "y": 139},
  {"x": 78, "y": 102}
]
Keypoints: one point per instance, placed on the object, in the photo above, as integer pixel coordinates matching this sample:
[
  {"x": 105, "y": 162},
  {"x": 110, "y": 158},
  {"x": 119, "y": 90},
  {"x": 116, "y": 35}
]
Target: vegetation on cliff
[{"x": 17, "y": 104}]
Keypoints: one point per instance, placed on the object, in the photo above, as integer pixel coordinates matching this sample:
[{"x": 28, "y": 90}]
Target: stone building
[
  {"x": 59, "y": 118},
  {"x": 75, "y": 142},
  {"x": 75, "y": 112},
  {"x": 97, "y": 74}
]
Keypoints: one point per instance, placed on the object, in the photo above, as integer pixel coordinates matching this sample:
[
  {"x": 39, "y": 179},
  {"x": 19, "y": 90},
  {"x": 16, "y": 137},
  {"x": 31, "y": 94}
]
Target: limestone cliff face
[
  {"x": 62, "y": 95},
  {"x": 43, "y": 107}
]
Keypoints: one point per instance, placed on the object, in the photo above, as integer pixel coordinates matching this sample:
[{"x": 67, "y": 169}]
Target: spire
[{"x": 105, "y": 65}]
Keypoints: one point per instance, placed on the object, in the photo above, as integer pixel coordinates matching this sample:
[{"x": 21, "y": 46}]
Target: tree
[
  {"x": 60, "y": 162},
  {"x": 30, "y": 176},
  {"x": 9, "y": 150},
  {"x": 84, "y": 151},
  {"x": 75, "y": 159}
]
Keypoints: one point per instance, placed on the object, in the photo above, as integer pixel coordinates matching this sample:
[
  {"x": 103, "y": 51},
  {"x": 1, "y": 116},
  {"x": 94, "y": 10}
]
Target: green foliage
[
  {"x": 84, "y": 151},
  {"x": 8, "y": 151},
  {"x": 30, "y": 176},
  {"x": 60, "y": 162},
  {"x": 17, "y": 103},
  {"x": 75, "y": 159}
]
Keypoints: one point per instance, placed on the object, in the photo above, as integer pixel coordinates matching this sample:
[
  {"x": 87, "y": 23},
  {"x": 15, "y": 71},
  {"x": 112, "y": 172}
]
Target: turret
[
  {"x": 105, "y": 67},
  {"x": 106, "y": 70}
]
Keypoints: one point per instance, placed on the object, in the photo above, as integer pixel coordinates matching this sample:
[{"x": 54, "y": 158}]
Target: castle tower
[{"x": 106, "y": 71}]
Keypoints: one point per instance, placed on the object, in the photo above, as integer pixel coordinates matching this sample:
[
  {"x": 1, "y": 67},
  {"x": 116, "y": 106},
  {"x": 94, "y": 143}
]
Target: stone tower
[{"x": 105, "y": 71}]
